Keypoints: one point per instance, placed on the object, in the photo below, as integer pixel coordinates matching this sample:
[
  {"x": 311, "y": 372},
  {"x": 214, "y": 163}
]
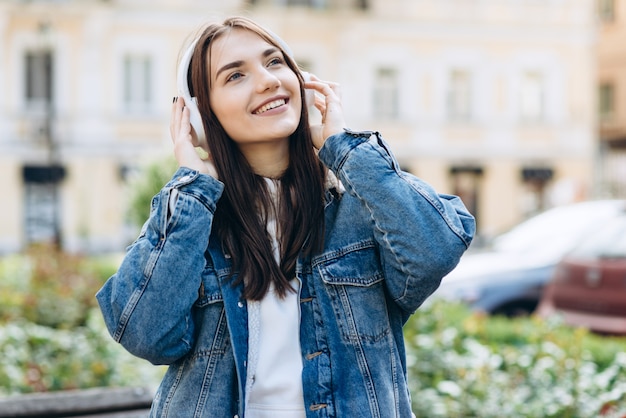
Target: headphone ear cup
[
  {"x": 196, "y": 122},
  {"x": 190, "y": 102},
  {"x": 309, "y": 95}
]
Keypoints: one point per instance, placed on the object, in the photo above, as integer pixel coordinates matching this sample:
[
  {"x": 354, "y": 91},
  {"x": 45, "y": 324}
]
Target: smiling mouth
[{"x": 270, "y": 106}]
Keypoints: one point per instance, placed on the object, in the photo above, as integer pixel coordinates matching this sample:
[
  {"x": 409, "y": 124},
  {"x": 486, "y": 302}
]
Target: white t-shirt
[{"x": 274, "y": 381}]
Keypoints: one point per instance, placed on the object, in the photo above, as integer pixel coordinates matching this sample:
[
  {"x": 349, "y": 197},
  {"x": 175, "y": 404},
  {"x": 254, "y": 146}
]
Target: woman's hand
[
  {"x": 185, "y": 141},
  {"x": 329, "y": 105}
]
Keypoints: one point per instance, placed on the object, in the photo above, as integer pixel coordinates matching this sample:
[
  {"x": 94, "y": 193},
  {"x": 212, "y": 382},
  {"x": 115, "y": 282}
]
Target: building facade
[
  {"x": 611, "y": 165},
  {"x": 491, "y": 100}
]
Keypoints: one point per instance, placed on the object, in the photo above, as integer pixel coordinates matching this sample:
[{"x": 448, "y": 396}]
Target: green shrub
[
  {"x": 52, "y": 335},
  {"x": 147, "y": 184},
  {"x": 49, "y": 287},
  {"x": 463, "y": 364},
  {"x": 37, "y": 358}
]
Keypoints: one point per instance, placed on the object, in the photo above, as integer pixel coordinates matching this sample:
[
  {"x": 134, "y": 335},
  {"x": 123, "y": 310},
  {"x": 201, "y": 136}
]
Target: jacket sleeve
[
  {"x": 421, "y": 234},
  {"x": 147, "y": 304}
]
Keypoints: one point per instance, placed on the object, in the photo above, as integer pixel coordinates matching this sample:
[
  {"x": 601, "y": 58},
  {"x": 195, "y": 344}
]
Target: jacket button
[{"x": 240, "y": 304}]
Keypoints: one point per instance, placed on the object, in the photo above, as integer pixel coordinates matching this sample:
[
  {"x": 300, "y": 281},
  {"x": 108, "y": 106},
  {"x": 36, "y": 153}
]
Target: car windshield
[
  {"x": 555, "y": 232},
  {"x": 608, "y": 242}
]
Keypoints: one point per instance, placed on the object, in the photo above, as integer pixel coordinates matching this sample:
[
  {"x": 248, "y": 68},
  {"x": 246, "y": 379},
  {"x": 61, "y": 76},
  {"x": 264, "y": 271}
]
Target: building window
[
  {"x": 532, "y": 97},
  {"x": 606, "y": 101},
  {"x": 386, "y": 95},
  {"x": 38, "y": 78},
  {"x": 534, "y": 189},
  {"x": 466, "y": 184},
  {"x": 41, "y": 203},
  {"x": 459, "y": 95},
  {"x": 606, "y": 10},
  {"x": 137, "y": 87}
]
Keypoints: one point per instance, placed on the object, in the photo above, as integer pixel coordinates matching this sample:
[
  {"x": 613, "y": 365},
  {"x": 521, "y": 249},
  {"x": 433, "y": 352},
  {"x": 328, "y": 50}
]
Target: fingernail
[{"x": 174, "y": 99}]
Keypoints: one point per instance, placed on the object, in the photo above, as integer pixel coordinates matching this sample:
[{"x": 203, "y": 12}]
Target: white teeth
[{"x": 271, "y": 105}]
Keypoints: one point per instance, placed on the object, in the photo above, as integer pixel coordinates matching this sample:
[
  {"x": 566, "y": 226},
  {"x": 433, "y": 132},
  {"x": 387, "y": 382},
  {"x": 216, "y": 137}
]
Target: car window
[{"x": 608, "y": 242}]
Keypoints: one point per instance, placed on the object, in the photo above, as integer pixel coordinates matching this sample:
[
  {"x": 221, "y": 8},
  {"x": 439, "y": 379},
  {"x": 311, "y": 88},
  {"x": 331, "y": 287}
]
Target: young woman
[{"x": 274, "y": 277}]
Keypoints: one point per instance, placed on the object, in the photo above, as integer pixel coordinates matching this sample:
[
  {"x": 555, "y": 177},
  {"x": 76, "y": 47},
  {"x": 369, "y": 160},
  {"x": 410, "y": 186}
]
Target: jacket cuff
[
  {"x": 337, "y": 147},
  {"x": 184, "y": 176},
  {"x": 202, "y": 186}
]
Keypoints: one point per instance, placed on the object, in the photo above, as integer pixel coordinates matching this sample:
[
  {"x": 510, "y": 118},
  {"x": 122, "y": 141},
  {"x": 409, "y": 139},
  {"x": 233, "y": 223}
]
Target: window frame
[
  {"x": 137, "y": 82},
  {"x": 386, "y": 93},
  {"x": 459, "y": 104}
]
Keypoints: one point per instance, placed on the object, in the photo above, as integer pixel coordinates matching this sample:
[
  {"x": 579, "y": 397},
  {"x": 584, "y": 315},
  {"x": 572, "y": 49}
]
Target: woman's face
[{"x": 254, "y": 94}]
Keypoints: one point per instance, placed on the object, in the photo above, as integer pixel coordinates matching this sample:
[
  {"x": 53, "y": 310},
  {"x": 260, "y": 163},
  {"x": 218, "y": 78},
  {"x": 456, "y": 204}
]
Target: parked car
[
  {"x": 509, "y": 277},
  {"x": 588, "y": 288}
]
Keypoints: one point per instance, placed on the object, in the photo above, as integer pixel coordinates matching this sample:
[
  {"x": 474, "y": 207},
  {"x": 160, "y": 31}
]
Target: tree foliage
[{"x": 147, "y": 183}]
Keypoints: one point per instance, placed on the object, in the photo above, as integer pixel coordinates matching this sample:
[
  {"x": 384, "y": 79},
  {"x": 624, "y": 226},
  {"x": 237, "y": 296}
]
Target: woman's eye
[
  {"x": 275, "y": 61},
  {"x": 233, "y": 77}
]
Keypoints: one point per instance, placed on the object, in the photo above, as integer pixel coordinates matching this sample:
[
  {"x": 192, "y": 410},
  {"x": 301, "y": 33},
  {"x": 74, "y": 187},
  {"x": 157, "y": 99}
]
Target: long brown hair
[{"x": 241, "y": 214}]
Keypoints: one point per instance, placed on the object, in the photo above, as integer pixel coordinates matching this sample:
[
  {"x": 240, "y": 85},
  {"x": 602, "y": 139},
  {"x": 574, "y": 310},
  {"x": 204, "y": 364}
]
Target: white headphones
[{"x": 191, "y": 102}]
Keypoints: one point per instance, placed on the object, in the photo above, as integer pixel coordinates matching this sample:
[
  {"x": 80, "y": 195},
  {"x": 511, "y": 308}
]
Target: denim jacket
[{"x": 389, "y": 240}]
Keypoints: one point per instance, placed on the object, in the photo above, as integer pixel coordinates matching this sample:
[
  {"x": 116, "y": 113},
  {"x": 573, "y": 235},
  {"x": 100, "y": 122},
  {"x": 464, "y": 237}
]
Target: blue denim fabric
[{"x": 390, "y": 238}]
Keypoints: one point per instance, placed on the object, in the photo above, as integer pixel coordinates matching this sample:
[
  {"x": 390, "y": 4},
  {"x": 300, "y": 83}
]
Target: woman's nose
[{"x": 267, "y": 80}]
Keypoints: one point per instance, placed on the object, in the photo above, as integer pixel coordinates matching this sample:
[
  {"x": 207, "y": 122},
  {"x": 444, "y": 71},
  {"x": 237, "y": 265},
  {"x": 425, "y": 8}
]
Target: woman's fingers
[
  {"x": 180, "y": 123},
  {"x": 329, "y": 105},
  {"x": 329, "y": 90},
  {"x": 183, "y": 139},
  {"x": 173, "y": 120},
  {"x": 320, "y": 103},
  {"x": 176, "y": 118},
  {"x": 184, "y": 130}
]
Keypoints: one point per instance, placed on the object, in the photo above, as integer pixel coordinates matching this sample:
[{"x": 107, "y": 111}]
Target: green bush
[
  {"x": 52, "y": 335},
  {"x": 49, "y": 287},
  {"x": 463, "y": 364},
  {"x": 148, "y": 183},
  {"x": 37, "y": 358}
]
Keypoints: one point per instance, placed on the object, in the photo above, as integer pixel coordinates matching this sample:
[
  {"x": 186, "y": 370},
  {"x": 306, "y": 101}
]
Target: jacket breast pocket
[
  {"x": 354, "y": 282},
  {"x": 210, "y": 317}
]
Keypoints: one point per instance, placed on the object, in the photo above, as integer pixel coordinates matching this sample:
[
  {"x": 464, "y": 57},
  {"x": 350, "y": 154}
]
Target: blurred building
[
  {"x": 612, "y": 97},
  {"x": 493, "y": 100}
]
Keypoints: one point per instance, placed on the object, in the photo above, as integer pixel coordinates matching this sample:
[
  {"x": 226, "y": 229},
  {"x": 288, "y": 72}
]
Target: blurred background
[{"x": 517, "y": 106}]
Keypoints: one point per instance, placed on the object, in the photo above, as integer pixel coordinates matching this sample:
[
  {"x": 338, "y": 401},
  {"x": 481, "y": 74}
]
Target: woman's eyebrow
[
  {"x": 239, "y": 63},
  {"x": 228, "y": 66},
  {"x": 269, "y": 52}
]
